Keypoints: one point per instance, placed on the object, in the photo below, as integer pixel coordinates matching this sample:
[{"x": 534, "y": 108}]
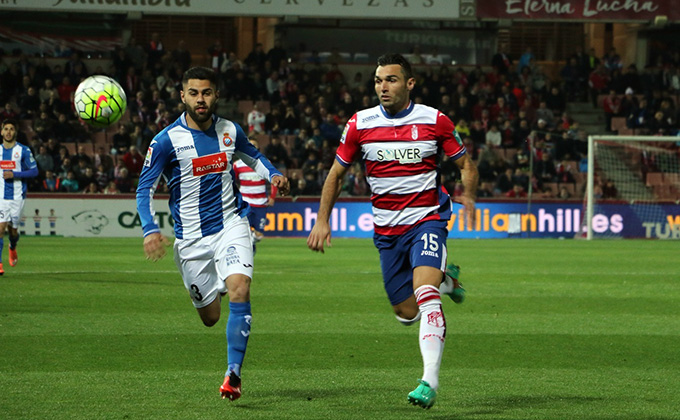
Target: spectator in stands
[
  {"x": 121, "y": 141},
  {"x": 111, "y": 188},
  {"x": 329, "y": 129},
  {"x": 81, "y": 156},
  {"x": 51, "y": 183},
  {"x": 44, "y": 160},
  {"x": 609, "y": 190},
  {"x": 70, "y": 184},
  {"x": 493, "y": 137},
  {"x": 8, "y": 113},
  {"x": 123, "y": 181},
  {"x": 256, "y": 120},
  {"x": 85, "y": 176},
  {"x": 504, "y": 182},
  {"x": 639, "y": 116},
  {"x": 66, "y": 90},
  {"x": 63, "y": 130},
  {"x": 517, "y": 191},
  {"x": 544, "y": 113},
  {"x": 628, "y": 102},
  {"x": 611, "y": 105},
  {"x": 277, "y": 153},
  {"x": 311, "y": 185},
  {"x": 544, "y": 169},
  {"x": 564, "y": 193},
  {"x": 291, "y": 121},
  {"x": 91, "y": 188},
  {"x": 29, "y": 103},
  {"x": 134, "y": 161},
  {"x": 501, "y": 60},
  {"x": 659, "y": 125},
  {"x": 102, "y": 177},
  {"x": 104, "y": 159},
  {"x": 485, "y": 190},
  {"x": 597, "y": 82}
]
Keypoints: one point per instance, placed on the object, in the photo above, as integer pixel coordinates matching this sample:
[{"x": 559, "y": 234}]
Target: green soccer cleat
[
  {"x": 458, "y": 294},
  {"x": 423, "y": 395}
]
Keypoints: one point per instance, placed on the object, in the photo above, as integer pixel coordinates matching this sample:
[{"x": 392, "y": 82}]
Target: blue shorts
[
  {"x": 423, "y": 245},
  {"x": 257, "y": 218}
]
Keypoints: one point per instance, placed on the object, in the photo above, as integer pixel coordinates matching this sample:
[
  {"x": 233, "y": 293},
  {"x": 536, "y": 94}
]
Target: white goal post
[{"x": 633, "y": 187}]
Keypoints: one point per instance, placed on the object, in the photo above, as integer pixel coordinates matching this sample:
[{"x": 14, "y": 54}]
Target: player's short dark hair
[
  {"x": 200, "y": 73},
  {"x": 387, "y": 59},
  {"x": 11, "y": 121}
]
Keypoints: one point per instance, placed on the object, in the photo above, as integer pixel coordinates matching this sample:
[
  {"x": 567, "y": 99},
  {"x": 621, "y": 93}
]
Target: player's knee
[
  {"x": 209, "y": 321},
  {"x": 406, "y": 314},
  {"x": 239, "y": 289}
]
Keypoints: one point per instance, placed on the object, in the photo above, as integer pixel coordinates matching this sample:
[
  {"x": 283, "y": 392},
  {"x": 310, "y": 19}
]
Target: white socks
[{"x": 432, "y": 332}]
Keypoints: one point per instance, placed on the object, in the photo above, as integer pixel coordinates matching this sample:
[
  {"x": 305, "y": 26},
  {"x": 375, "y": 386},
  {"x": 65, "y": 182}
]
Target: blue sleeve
[
  {"x": 29, "y": 168},
  {"x": 252, "y": 157},
  {"x": 157, "y": 157}
]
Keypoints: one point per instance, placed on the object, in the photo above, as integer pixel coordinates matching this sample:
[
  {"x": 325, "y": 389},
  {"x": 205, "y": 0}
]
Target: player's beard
[{"x": 201, "y": 118}]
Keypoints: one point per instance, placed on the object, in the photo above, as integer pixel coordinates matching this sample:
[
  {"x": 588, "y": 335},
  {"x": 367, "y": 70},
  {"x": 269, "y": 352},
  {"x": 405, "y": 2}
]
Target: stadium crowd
[{"x": 297, "y": 105}]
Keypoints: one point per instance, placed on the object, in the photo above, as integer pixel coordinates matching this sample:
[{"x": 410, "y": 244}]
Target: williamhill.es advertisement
[{"x": 107, "y": 217}]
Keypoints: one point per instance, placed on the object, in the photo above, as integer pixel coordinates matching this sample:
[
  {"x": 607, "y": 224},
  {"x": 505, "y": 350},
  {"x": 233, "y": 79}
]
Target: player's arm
[
  {"x": 28, "y": 165},
  {"x": 321, "y": 232},
  {"x": 154, "y": 241},
  {"x": 349, "y": 146},
  {"x": 260, "y": 164},
  {"x": 470, "y": 179},
  {"x": 454, "y": 148}
]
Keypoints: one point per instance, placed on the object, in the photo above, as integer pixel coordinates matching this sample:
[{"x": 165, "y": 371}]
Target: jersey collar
[{"x": 400, "y": 114}]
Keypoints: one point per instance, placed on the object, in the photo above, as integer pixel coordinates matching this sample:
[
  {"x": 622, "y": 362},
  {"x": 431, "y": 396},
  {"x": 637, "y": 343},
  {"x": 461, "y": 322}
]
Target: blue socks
[
  {"x": 238, "y": 331},
  {"x": 2, "y": 245}
]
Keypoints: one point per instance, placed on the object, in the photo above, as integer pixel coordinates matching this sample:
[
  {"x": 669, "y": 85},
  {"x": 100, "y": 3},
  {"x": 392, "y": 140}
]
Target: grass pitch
[{"x": 550, "y": 330}]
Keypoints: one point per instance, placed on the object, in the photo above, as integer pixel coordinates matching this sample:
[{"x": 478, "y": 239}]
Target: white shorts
[
  {"x": 205, "y": 263},
  {"x": 10, "y": 211}
]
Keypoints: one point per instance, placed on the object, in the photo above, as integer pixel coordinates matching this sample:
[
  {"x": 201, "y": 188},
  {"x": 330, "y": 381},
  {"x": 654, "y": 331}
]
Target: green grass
[{"x": 550, "y": 330}]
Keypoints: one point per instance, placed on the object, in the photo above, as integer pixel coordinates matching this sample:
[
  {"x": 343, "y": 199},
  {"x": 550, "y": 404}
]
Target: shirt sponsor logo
[
  {"x": 210, "y": 164},
  {"x": 409, "y": 155},
  {"x": 8, "y": 164},
  {"x": 369, "y": 118}
]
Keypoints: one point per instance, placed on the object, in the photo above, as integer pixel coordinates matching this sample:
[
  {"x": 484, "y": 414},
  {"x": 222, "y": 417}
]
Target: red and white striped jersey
[
  {"x": 401, "y": 153},
  {"x": 252, "y": 186}
]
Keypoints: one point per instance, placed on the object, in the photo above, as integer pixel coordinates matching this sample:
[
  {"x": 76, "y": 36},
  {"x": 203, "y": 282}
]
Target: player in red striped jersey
[
  {"x": 253, "y": 189},
  {"x": 400, "y": 143}
]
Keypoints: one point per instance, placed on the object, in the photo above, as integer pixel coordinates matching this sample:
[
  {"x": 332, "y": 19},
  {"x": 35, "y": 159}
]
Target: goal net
[{"x": 633, "y": 187}]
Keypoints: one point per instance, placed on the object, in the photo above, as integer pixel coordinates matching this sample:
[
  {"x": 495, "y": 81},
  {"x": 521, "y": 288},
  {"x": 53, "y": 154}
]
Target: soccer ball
[{"x": 100, "y": 101}]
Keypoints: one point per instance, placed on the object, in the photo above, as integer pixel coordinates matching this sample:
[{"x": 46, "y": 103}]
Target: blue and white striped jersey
[
  {"x": 19, "y": 160},
  {"x": 198, "y": 168}
]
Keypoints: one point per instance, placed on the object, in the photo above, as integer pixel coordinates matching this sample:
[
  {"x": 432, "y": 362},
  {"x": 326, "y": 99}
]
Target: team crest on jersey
[
  {"x": 414, "y": 132},
  {"x": 227, "y": 140},
  {"x": 210, "y": 164},
  {"x": 17, "y": 155},
  {"x": 149, "y": 154}
]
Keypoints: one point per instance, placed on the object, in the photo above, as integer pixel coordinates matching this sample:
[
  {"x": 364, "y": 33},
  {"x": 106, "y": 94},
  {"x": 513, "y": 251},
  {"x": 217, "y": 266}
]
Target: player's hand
[
  {"x": 281, "y": 182},
  {"x": 321, "y": 232},
  {"x": 8, "y": 174},
  {"x": 469, "y": 209},
  {"x": 154, "y": 246},
  {"x": 270, "y": 202}
]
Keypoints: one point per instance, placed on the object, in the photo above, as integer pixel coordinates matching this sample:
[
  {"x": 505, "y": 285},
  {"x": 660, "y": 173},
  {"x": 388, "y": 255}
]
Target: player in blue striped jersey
[
  {"x": 17, "y": 164},
  {"x": 213, "y": 249}
]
